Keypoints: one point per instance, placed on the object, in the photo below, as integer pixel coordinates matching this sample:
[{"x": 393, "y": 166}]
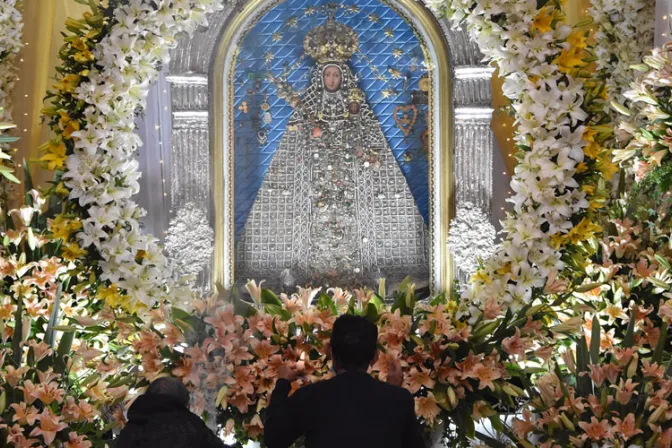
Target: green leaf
[
  {"x": 375, "y": 300},
  {"x": 587, "y": 287},
  {"x": 629, "y": 339},
  {"x": 53, "y": 318},
  {"x": 27, "y": 182},
  {"x": 179, "y": 313},
  {"x": 541, "y": 3},
  {"x": 583, "y": 381},
  {"x": 277, "y": 310},
  {"x": 11, "y": 177},
  {"x": 325, "y": 302},
  {"x": 18, "y": 331},
  {"x": 660, "y": 346},
  {"x": 268, "y": 297},
  {"x": 485, "y": 329},
  {"x": 668, "y": 371},
  {"x": 595, "y": 341},
  {"x": 663, "y": 261},
  {"x": 496, "y": 422},
  {"x": 404, "y": 285},
  {"x": 65, "y": 328},
  {"x": 371, "y": 312},
  {"x": 63, "y": 350},
  {"x": 439, "y": 300},
  {"x": 467, "y": 422},
  {"x": 382, "y": 290}
]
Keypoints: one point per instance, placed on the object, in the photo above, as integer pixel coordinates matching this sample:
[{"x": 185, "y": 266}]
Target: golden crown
[{"x": 331, "y": 42}]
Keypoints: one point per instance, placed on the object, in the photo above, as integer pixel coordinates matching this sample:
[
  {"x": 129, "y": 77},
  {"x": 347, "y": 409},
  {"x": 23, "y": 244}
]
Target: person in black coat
[
  {"x": 351, "y": 410},
  {"x": 161, "y": 419}
]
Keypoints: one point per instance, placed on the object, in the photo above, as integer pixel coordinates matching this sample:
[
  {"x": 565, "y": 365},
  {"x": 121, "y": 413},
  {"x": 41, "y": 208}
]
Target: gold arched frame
[{"x": 441, "y": 182}]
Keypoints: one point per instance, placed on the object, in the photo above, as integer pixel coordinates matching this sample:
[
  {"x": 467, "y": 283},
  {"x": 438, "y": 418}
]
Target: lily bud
[
  {"x": 254, "y": 290},
  {"x": 632, "y": 368},
  {"x": 568, "y": 357},
  {"x": 508, "y": 390},
  {"x": 25, "y": 328},
  {"x": 410, "y": 292},
  {"x": 660, "y": 410},
  {"x": 452, "y": 397},
  {"x": 567, "y": 422}
]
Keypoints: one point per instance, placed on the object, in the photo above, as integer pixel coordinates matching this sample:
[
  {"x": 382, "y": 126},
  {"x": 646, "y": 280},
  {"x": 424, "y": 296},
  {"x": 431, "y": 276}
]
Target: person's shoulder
[
  {"x": 394, "y": 392},
  {"x": 313, "y": 388}
]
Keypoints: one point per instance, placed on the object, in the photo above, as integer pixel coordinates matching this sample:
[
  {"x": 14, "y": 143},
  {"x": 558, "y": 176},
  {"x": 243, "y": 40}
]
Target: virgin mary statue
[{"x": 334, "y": 208}]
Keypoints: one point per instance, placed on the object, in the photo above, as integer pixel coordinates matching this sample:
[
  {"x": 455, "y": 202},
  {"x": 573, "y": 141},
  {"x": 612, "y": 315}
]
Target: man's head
[
  {"x": 353, "y": 343},
  {"x": 171, "y": 387}
]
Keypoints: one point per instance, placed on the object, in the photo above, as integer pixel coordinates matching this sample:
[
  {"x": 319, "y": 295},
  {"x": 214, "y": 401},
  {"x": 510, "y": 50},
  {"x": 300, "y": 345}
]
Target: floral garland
[
  {"x": 110, "y": 62},
  {"x": 615, "y": 388},
  {"x": 648, "y": 149},
  {"x": 624, "y": 35},
  {"x": 555, "y": 186},
  {"x": 68, "y": 367},
  {"x": 11, "y": 29},
  {"x": 456, "y": 373}
]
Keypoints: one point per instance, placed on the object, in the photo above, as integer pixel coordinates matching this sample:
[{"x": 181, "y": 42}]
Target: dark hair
[
  {"x": 353, "y": 342},
  {"x": 170, "y": 386}
]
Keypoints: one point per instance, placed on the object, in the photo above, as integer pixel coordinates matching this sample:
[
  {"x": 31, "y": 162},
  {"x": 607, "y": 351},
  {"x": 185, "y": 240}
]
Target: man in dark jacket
[
  {"x": 352, "y": 410},
  {"x": 161, "y": 419}
]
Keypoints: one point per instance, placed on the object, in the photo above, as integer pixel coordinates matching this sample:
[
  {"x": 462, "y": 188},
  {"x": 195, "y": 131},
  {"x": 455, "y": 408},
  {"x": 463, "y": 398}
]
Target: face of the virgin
[{"x": 332, "y": 78}]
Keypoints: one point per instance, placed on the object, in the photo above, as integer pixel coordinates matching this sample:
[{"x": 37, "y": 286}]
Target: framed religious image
[
  {"x": 340, "y": 191},
  {"x": 322, "y": 144}
]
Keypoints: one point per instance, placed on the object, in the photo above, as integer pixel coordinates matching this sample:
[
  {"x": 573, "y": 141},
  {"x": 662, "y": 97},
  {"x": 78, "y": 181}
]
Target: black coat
[
  {"x": 352, "y": 410},
  {"x": 159, "y": 421}
]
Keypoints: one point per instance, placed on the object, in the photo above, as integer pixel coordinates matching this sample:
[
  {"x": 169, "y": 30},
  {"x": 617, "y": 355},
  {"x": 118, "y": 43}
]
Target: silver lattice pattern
[{"x": 334, "y": 207}]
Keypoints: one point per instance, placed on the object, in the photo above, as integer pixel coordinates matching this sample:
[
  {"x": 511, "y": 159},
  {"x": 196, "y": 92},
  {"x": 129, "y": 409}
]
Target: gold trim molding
[{"x": 441, "y": 182}]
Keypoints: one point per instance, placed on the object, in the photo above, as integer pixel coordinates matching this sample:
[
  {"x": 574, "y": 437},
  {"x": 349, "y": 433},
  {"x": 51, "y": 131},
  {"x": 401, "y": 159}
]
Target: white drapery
[{"x": 663, "y": 21}]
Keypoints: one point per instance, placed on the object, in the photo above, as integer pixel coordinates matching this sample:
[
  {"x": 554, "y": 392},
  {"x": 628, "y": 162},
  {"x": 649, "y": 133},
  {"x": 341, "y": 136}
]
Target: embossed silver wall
[{"x": 176, "y": 159}]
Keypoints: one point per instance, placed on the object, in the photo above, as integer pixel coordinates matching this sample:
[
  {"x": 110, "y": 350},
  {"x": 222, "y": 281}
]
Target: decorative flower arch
[{"x": 559, "y": 182}]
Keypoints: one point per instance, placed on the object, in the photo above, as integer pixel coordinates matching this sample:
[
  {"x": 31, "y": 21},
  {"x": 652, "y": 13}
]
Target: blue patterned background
[{"x": 387, "y": 42}]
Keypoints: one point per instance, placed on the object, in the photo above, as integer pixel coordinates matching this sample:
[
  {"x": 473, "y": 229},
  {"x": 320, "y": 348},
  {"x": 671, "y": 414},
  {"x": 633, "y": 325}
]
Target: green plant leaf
[
  {"x": 629, "y": 338},
  {"x": 66, "y": 328},
  {"x": 660, "y": 346},
  {"x": 11, "y": 177},
  {"x": 595, "y": 341},
  {"x": 268, "y": 297},
  {"x": 277, "y": 310},
  {"x": 371, "y": 312},
  {"x": 663, "y": 261},
  {"x": 439, "y": 300},
  {"x": 63, "y": 350},
  {"x": 53, "y": 318}
]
